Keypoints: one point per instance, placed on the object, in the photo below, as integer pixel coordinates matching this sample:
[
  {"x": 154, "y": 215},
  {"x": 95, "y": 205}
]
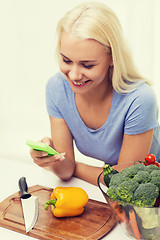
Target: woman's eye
[
  {"x": 84, "y": 65},
  {"x": 66, "y": 61},
  {"x": 88, "y": 66}
]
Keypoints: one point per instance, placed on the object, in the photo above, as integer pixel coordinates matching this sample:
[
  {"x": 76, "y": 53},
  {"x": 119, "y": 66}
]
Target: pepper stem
[{"x": 50, "y": 202}]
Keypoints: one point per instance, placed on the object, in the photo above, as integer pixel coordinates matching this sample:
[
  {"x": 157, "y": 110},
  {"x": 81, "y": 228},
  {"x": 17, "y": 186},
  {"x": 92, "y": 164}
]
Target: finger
[
  {"x": 46, "y": 140},
  {"x": 40, "y": 162},
  {"x": 45, "y": 162},
  {"x": 35, "y": 153},
  {"x": 60, "y": 156}
]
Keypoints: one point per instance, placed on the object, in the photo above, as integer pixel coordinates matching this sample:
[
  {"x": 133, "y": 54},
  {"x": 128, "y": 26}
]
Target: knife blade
[{"x": 29, "y": 205}]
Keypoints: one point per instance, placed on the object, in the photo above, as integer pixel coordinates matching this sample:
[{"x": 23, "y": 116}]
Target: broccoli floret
[
  {"x": 133, "y": 170},
  {"x": 155, "y": 178},
  {"x": 151, "y": 168},
  {"x": 126, "y": 190},
  {"x": 117, "y": 179},
  {"x": 112, "y": 192},
  {"x": 140, "y": 167},
  {"x": 142, "y": 177},
  {"x": 145, "y": 195}
]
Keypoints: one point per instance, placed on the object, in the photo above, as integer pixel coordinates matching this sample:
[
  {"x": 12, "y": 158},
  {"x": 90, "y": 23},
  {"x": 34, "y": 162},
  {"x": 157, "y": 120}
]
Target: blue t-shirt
[{"x": 131, "y": 113}]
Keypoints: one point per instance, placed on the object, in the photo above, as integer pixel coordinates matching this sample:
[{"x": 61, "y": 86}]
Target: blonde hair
[{"x": 94, "y": 20}]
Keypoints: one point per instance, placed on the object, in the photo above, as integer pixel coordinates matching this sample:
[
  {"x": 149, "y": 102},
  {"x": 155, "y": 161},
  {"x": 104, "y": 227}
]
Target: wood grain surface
[{"x": 95, "y": 222}]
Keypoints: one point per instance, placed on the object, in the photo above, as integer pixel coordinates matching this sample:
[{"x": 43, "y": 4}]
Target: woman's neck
[{"x": 97, "y": 95}]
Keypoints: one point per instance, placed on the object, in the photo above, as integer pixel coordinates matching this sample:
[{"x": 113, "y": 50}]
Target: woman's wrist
[{"x": 86, "y": 172}]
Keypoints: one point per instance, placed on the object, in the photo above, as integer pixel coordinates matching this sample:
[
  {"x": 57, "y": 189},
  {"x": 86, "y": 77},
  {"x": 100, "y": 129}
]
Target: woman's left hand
[{"x": 49, "y": 161}]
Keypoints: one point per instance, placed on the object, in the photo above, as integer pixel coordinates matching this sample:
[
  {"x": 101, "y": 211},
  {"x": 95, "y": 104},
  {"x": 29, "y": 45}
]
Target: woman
[{"x": 98, "y": 99}]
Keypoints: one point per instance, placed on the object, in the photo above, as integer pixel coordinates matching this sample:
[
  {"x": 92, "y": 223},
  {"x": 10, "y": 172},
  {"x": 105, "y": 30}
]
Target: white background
[{"x": 27, "y": 60}]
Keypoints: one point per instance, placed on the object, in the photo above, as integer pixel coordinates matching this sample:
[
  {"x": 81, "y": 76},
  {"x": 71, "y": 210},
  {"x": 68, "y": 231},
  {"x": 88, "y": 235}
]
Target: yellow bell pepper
[{"x": 67, "y": 201}]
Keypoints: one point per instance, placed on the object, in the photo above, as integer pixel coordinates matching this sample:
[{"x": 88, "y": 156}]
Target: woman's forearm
[
  {"x": 63, "y": 169},
  {"x": 87, "y": 173},
  {"x": 66, "y": 168}
]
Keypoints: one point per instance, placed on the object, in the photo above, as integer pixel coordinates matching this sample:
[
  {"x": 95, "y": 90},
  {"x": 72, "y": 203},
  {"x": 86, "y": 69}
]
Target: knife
[{"x": 29, "y": 205}]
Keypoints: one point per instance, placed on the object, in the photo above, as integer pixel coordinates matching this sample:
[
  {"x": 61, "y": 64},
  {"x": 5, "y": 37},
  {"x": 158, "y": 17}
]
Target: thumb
[{"x": 46, "y": 140}]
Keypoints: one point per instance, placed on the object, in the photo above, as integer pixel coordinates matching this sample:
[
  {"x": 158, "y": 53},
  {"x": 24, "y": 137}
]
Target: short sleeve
[
  {"x": 52, "y": 97},
  {"x": 142, "y": 113}
]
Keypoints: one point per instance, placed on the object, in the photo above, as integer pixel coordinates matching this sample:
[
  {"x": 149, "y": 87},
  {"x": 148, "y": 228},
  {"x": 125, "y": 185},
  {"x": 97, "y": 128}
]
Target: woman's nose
[{"x": 75, "y": 73}]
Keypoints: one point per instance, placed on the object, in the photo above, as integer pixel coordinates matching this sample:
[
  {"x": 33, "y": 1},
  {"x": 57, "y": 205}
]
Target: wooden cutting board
[{"x": 96, "y": 220}]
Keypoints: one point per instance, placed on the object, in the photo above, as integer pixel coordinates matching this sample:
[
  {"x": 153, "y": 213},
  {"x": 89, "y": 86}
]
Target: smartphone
[{"x": 39, "y": 146}]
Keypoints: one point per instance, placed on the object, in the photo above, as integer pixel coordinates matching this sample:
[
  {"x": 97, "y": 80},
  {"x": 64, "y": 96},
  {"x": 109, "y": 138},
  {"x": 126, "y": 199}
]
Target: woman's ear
[{"x": 111, "y": 65}]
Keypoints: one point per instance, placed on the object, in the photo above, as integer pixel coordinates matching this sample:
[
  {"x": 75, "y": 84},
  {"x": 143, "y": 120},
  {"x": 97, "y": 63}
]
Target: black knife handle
[{"x": 23, "y": 188}]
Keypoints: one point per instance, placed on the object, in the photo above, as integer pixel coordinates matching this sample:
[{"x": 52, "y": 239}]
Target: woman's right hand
[
  {"x": 62, "y": 164},
  {"x": 38, "y": 154},
  {"x": 42, "y": 159},
  {"x": 56, "y": 163}
]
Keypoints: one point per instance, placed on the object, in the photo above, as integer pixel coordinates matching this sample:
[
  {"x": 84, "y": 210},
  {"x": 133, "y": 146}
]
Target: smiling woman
[
  {"x": 27, "y": 60},
  {"x": 98, "y": 99},
  {"x": 84, "y": 63}
]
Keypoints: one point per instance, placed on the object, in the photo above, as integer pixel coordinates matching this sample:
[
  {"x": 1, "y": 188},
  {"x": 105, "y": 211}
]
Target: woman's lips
[{"x": 80, "y": 83}]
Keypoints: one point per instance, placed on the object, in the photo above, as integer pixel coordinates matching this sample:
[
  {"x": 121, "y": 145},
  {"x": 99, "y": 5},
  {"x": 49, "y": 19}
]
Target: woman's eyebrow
[
  {"x": 84, "y": 61},
  {"x": 63, "y": 55}
]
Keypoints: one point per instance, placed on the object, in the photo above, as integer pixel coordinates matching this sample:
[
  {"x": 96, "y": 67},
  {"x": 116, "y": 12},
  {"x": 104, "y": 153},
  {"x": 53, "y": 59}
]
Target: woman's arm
[
  {"x": 63, "y": 142},
  {"x": 63, "y": 164},
  {"x": 87, "y": 173},
  {"x": 135, "y": 147}
]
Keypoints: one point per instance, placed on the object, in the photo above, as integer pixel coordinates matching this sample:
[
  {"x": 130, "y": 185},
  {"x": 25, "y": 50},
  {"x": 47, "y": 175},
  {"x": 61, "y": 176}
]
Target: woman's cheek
[{"x": 64, "y": 68}]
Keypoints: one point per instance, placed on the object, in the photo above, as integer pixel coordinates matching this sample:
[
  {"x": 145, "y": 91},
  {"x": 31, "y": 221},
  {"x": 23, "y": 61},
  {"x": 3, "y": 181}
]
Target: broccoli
[
  {"x": 138, "y": 185},
  {"x": 126, "y": 189},
  {"x": 112, "y": 193},
  {"x": 133, "y": 170},
  {"x": 151, "y": 168},
  {"x": 117, "y": 179},
  {"x": 145, "y": 195},
  {"x": 142, "y": 177},
  {"x": 155, "y": 178}
]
